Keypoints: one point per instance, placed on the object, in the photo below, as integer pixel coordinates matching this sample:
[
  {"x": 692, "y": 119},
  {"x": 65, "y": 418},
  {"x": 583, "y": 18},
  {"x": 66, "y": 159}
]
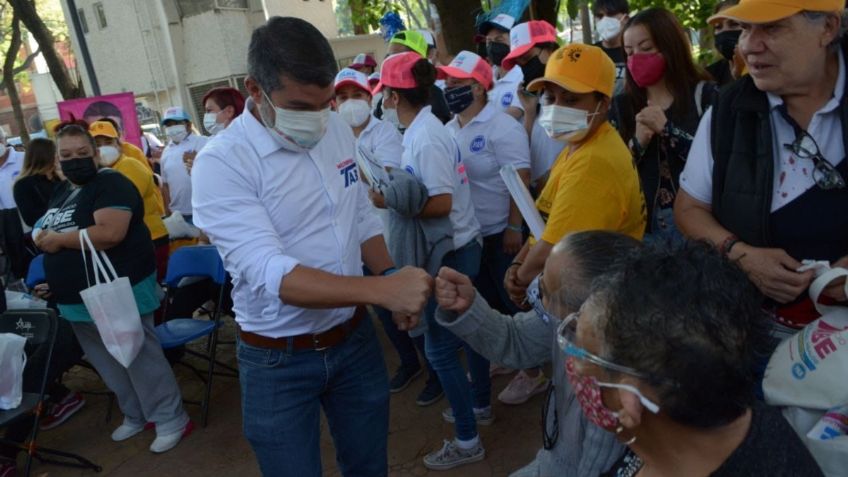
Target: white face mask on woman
[
  {"x": 301, "y": 128},
  {"x": 355, "y": 112},
  {"x": 176, "y": 133},
  {"x": 211, "y": 124},
  {"x": 565, "y": 124},
  {"x": 108, "y": 155}
]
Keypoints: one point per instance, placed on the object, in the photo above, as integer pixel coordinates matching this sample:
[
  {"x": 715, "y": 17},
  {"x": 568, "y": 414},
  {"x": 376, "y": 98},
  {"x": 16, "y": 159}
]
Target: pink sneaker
[
  {"x": 60, "y": 412},
  {"x": 523, "y": 387}
]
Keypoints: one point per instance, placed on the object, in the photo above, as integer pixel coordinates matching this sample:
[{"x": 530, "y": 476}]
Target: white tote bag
[
  {"x": 12, "y": 363},
  {"x": 112, "y": 306},
  {"x": 810, "y": 369}
]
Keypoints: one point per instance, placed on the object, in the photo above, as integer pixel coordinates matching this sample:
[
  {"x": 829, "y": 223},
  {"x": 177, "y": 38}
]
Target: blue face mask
[
  {"x": 459, "y": 98},
  {"x": 534, "y": 297}
]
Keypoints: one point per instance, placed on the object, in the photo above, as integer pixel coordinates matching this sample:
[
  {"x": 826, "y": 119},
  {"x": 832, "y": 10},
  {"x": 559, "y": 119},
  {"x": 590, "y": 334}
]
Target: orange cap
[
  {"x": 579, "y": 68},
  {"x": 767, "y": 11},
  {"x": 103, "y": 128}
]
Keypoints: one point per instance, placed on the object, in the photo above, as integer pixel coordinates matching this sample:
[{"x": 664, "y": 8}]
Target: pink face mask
[
  {"x": 646, "y": 68},
  {"x": 588, "y": 394}
]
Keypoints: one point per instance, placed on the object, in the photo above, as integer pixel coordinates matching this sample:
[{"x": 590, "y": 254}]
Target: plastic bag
[{"x": 12, "y": 363}]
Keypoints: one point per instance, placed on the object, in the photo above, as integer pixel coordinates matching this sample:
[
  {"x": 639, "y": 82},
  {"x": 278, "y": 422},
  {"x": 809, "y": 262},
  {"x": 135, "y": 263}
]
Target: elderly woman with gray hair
[
  {"x": 662, "y": 355},
  {"x": 573, "y": 445}
]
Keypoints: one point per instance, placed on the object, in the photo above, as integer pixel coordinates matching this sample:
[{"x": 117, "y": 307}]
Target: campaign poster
[{"x": 119, "y": 107}]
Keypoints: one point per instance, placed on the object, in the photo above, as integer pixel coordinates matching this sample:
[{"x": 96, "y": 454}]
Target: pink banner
[{"x": 119, "y": 107}]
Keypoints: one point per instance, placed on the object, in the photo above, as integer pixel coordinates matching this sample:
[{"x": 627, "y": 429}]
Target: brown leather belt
[{"x": 319, "y": 341}]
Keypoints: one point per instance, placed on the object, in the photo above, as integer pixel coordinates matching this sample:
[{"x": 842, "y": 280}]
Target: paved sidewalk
[{"x": 220, "y": 449}]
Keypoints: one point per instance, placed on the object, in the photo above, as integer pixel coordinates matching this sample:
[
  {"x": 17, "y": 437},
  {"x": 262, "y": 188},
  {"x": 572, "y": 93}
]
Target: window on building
[
  {"x": 82, "y": 20},
  {"x": 100, "y": 15},
  {"x": 231, "y": 4}
]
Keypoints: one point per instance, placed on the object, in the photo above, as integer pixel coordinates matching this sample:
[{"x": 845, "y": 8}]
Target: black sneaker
[
  {"x": 431, "y": 393},
  {"x": 402, "y": 379}
]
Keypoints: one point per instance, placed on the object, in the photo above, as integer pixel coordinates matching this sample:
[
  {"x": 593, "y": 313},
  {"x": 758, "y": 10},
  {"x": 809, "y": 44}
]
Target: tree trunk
[
  {"x": 457, "y": 17},
  {"x": 9, "y": 78},
  {"x": 586, "y": 21},
  {"x": 25, "y": 11},
  {"x": 357, "y": 16}
]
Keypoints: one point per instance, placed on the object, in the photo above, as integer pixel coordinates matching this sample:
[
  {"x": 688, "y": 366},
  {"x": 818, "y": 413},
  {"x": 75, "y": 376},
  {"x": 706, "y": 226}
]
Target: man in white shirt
[
  {"x": 11, "y": 161},
  {"x": 183, "y": 146},
  {"x": 277, "y": 193}
]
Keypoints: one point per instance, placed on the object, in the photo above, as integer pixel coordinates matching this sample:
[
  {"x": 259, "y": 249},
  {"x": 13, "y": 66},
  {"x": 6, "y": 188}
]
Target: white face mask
[
  {"x": 565, "y": 124},
  {"x": 391, "y": 116},
  {"x": 108, "y": 155},
  {"x": 355, "y": 112},
  {"x": 608, "y": 28},
  {"x": 176, "y": 133},
  {"x": 300, "y": 128},
  {"x": 211, "y": 124}
]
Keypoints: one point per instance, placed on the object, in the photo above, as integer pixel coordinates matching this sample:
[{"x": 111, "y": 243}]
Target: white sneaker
[
  {"x": 451, "y": 455},
  {"x": 167, "y": 442},
  {"x": 125, "y": 431},
  {"x": 523, "y": 387}
]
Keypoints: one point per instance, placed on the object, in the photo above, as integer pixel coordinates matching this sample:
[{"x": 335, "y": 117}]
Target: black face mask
[
  {"x": 80, "y": 170},
  {"x": 532, "y": 70},
  {"x": 459, "y": 98},
  {"x": 726, "y": 41},
  {"x": 496, "y": 52}
]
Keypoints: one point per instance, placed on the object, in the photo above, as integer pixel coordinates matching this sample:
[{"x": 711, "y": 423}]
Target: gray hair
[
  {"x": 291, "y": 47},
  {"x": 821, "y": 17},
  {"x": 593, "y": 253}
]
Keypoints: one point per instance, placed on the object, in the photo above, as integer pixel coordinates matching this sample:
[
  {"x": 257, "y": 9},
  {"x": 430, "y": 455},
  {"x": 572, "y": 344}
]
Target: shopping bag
[
  {"x": 112, "y": 306},
  {"x": 821, "y": 432},
  {"x": 809, "y": 369},
  {"x": 12, "y": 363}
]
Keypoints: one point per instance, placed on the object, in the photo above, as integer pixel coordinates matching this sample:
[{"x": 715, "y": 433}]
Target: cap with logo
[
  {"x": 103, "y": 128},
  {"x": 175, "y": 113},
  {"x": 467, "y": 65},
  {"x": 767, "y": 11},
  {"x": 524, "y": 36},
  {"x": 502, "y": 22},
  {"x": 397, "y": 71},
  {"x": 579, "y": 68},
  {"x": 411, "y": 39},
  {"x": 362, "y": 60},
  {"x": 349, "y": 76}
]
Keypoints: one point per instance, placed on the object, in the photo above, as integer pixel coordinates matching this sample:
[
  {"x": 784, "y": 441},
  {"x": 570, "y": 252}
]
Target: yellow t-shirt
[
  {"x": 131, "y": 150},
  {"x": 597, "y": 188},
  {"x": 151, "y": 196}
]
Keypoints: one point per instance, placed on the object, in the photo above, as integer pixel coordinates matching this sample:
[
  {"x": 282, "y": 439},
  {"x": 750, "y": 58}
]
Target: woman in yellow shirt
[
  {"x": 593, "y": 184},
  {"x": 110, "y": 146}
]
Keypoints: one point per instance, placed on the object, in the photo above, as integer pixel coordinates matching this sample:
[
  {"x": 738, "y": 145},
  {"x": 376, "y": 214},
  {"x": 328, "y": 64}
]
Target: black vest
[{"x": 743, "y": 173}]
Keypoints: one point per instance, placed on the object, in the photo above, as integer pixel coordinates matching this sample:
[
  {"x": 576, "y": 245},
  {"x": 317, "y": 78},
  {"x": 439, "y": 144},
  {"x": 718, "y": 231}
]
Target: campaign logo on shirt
[
  {"x": 60, "y": 220},
  {"x": 478, "y": 143},
  {"x": 506, "y": 99},
  {"x": 347, "y": 169}
]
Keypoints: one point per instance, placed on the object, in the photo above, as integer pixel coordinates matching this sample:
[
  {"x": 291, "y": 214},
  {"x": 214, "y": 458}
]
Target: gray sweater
[{"x": 526, "y": 341}]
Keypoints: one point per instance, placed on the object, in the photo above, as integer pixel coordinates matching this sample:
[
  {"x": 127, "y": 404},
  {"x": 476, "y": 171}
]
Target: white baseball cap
[{"x": 351, "y": 76}]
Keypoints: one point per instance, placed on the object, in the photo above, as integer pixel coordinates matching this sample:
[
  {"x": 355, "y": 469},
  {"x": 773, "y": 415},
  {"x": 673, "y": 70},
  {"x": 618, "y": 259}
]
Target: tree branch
[{"x": 27, "y": 62}]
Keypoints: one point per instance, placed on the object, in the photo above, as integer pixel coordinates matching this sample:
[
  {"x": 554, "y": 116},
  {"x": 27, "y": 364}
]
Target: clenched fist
[
  {"x": 454, "y": 291},
  {"x": 406, "y": 292}
]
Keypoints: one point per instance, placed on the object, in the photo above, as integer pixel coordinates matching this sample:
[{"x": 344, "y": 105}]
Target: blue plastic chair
[
  {"x": 35, "y": 274},
  {"x": 195, "y": 261}
]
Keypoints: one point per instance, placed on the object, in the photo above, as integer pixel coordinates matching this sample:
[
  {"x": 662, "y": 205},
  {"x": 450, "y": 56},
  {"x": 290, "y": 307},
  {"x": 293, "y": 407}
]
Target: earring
[{"x": 619, "y": 429}]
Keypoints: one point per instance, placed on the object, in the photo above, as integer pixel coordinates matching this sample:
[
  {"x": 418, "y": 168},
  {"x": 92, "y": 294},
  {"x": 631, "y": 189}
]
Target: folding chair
[
  {"x": 39, "y": 328},
  {"x": 195, "y": 261}
]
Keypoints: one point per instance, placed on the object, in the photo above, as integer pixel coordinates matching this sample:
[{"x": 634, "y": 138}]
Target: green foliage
[{"x": 692, "y": 13}]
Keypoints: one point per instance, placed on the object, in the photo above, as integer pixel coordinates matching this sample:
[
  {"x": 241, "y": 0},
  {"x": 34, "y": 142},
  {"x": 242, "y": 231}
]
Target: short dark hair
[
  {"x": 610, "y": 7},
  {"x": 425, "y": 77},
  {"x": 291, "y": 47},
  {"x": 74, "y": 127},
  {"x": 690, "y": 317},
  {"x": 224, "y": 97}
]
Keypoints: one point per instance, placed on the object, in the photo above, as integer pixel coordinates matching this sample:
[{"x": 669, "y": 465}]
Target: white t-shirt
[
  {"x": 430, "y": 154},
  {"x": 174, "y": 173},
  {"x": 382, "y": 141},
  {"x": 792, "y": 175},
  {"x": 488, "y": 142},
  {"x": 543, "y": 152},
  {"x": 504, "y": 92},
  {"x": 9, "y": 171}
]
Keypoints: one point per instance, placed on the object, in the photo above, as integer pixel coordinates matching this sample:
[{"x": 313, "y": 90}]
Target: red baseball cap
[
  {"x": 397, "y": 71},
  {"x": 363, "y": 59},
  {"x": 524, "y": 36},
  {"x": 351, "y": 76},
  {"x": 467, "y": 65}
]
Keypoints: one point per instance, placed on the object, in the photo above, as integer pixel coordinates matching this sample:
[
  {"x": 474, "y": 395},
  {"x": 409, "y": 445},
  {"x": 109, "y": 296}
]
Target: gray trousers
[{"x": 147, "y": 391}]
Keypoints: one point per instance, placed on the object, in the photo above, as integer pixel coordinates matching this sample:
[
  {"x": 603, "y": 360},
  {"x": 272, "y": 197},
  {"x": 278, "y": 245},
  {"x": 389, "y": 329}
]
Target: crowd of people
[{"x": 678, "y": 205}]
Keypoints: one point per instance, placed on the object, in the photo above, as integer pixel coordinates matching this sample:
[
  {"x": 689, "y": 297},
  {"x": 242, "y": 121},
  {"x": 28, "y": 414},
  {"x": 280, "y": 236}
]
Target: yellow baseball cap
[
  {"x": 412, "y": 40},
  {"x": 103, "y": 128},
  {"x": 767, "y": 11},
  {"x": 579, "y": 68}
]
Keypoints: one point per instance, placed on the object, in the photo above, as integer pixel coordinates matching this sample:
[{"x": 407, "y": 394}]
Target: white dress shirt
[
  {"x": 792, "y": 175},
  {"x": 491, "y": 140},
  {"x": 382, "y": 141},
  {"x": 431, "y": 155},
  {"x": 268, "y": 208},
  {"x": 174, "y": 173},
  {"x": 504, "y": 92},
  {"x": 9, "y": 171}
]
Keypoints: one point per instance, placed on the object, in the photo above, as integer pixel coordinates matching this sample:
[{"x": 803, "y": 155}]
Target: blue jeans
[
  {"x": 441, "y": 348},
  {"x": 493, "y": 269},
  {"x": 282, "y": 391},
  {"x": 663, "y": 230},
  {"x": 406, "y": 346}
]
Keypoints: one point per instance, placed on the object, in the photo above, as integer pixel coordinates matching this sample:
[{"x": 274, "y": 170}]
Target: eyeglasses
[
  {"x": 825, "y": 175},
  {"x": 566, "y": 337}
]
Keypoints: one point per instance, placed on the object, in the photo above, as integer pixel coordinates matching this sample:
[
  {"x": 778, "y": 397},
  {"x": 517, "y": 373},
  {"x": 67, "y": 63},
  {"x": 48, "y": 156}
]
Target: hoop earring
[{"x": 632, "y": 440}]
